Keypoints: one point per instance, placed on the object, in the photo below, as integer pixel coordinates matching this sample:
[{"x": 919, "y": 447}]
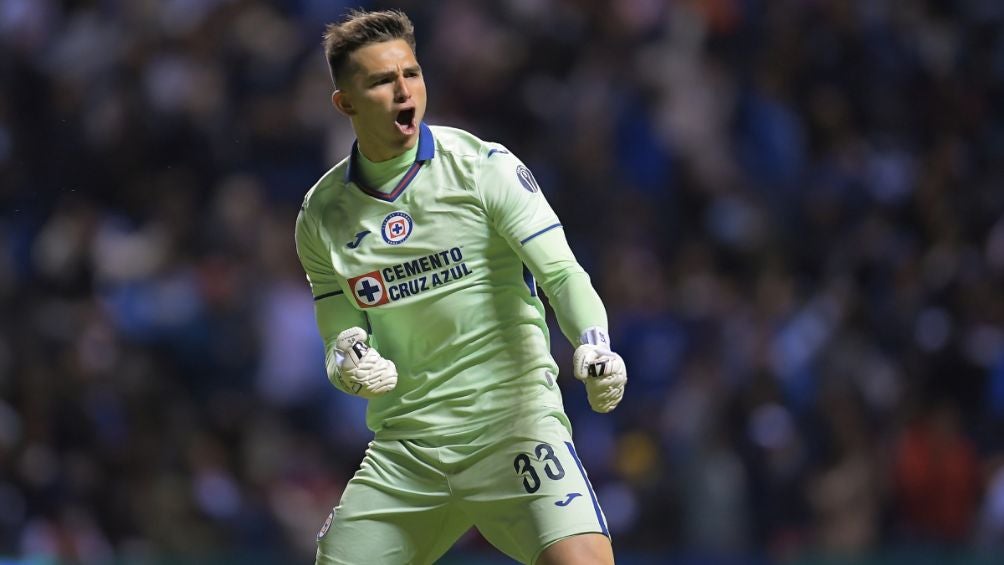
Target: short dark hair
[{"x": 360, "y": 28}]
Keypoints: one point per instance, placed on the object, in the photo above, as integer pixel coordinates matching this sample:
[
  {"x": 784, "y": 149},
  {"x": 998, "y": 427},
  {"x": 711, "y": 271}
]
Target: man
[{"x": 421, "y": 249}]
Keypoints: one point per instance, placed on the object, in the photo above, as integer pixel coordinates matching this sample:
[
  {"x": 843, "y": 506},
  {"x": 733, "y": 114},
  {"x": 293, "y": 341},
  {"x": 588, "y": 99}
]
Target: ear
[{"x": 341, "y": 102}]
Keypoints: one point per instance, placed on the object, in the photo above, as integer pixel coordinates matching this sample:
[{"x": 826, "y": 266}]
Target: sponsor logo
[
  {"x": 526, "y": 178},
  {"x": 396, "y": 228},
  {"x": 369, "y": 290},
  {"x": 550, "y": 378},
  {"x": 409, "y": 278},
  {"x": 327, "y": 525},
  {"x": 359, "y": 238},
  {"x": 598, "y": 369},
  {"x": 568, "y": 499}
]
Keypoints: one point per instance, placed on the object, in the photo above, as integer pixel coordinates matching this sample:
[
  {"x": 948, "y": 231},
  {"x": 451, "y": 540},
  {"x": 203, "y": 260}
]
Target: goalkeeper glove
[
  {"x": 602, "y": 370},
  {"x": 359, "y": 368}
]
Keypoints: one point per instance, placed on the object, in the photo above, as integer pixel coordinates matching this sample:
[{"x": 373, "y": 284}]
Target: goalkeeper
[{"x": 424, "y": 249}]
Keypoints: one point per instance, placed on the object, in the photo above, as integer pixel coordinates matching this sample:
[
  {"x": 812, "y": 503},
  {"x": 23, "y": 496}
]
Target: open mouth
[{"x": 405, "y": 121}]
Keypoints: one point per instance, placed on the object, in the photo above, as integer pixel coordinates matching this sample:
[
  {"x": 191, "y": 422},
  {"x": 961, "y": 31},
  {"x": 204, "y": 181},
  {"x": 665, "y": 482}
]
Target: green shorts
[{"x": 411, "y": 500}]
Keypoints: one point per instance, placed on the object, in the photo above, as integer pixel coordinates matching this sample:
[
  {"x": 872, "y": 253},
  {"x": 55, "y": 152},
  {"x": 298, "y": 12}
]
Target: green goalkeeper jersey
[{"x": 439, "y": 266}]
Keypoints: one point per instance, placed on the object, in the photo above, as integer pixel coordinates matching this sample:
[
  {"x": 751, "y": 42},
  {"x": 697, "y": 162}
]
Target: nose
[{"x": 401, "y": 91}]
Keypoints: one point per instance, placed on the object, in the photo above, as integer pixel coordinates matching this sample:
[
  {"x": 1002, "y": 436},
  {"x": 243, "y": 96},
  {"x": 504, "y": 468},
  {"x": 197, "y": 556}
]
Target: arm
[
  {"x": 521, "y": 214},
  {"x": 581, "y": 316},
  {"x": 523, "y": 217},
  {"x": 355, "y": 369},
  {"x": 575, "y": 303},
  {"x": 335, "y": 315}
]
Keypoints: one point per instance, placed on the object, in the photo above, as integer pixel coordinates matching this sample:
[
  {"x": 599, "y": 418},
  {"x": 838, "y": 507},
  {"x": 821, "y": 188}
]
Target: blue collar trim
[{"x": 426, "y": 151}]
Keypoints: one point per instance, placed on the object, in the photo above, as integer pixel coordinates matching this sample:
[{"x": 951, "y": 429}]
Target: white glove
[
  {"x": 360, "y": 369},
  {"x": 602, "y": 370}
]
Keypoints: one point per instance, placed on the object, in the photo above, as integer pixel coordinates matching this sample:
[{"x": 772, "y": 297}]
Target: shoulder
[
  {"x": 464, "y": 146},
  {"x": 473, "y": 157},
  {"x": 457, "y": 142},
  {"x": 325, "y": 189}
]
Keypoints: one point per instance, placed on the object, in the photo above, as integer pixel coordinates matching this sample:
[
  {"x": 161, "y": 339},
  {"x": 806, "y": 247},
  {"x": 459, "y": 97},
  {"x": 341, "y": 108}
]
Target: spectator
[
  {"x": 936, "y": 477},
  {"x": 771, "y": 196}
]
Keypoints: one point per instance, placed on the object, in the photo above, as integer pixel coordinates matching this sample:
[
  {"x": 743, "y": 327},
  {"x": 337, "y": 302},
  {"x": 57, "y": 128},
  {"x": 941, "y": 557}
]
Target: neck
[
  {"x": 377, "y": 154},
  {"x": 380, "y": 176}
]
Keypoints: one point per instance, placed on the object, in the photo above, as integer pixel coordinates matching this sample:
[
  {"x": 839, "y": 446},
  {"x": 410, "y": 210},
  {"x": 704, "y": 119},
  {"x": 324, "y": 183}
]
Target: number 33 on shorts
[
  {"x": 531, "y": 479},
  {"x": 553, "y": 487}
]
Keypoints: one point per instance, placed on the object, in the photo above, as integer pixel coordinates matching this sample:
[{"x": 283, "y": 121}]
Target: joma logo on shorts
[{"x": 571, "y": 496}]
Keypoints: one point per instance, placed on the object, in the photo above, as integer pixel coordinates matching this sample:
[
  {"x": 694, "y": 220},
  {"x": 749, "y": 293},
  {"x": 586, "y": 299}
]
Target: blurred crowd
[{"x": 793, "y": 209}]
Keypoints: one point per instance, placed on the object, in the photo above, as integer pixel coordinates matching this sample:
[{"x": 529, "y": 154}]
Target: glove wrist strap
[{"x": 597, "y": 336}]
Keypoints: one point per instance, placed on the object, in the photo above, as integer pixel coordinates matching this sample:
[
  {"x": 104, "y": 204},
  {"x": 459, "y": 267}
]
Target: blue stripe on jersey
[
  {"x": 426, "y": 151},
  {"x": 327, "y": 294},
  {"x": 545, "y": 230},
  {"x": 530, "y": 282},
  {"x": 401, "y": 185},
  {"x": 592, "y": 495}
]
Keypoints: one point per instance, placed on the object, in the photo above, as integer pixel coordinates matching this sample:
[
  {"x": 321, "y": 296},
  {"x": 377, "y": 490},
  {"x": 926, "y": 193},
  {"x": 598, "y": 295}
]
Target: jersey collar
[{"x": 426, "y": 151}]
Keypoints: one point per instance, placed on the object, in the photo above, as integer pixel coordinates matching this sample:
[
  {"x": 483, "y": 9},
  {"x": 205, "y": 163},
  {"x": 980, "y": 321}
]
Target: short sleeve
[
  {"x": 314, "y": 258},
  {"x": 512, "y": 198}
]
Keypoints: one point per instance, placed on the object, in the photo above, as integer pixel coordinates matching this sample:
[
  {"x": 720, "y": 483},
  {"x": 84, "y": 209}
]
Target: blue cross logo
[
  {"x": 396, "y": 228},
  {"x": 368, "y": 290}
]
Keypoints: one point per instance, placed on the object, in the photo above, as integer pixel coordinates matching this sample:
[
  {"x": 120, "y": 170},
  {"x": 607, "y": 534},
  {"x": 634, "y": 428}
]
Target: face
[{"x": 384, "y": 96}]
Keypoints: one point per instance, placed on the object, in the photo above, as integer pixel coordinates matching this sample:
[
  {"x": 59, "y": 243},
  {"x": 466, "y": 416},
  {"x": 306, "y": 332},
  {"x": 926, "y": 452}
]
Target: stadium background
[{"x": 794, "y": 210}]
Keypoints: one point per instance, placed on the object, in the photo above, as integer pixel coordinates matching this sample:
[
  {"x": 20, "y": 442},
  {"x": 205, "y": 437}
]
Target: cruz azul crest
[{"x": 396, "y": 228}]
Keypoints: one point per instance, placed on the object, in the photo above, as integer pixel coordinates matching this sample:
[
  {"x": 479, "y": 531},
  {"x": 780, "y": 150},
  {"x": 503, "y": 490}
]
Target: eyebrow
[{"x": 384, "y": 74}]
